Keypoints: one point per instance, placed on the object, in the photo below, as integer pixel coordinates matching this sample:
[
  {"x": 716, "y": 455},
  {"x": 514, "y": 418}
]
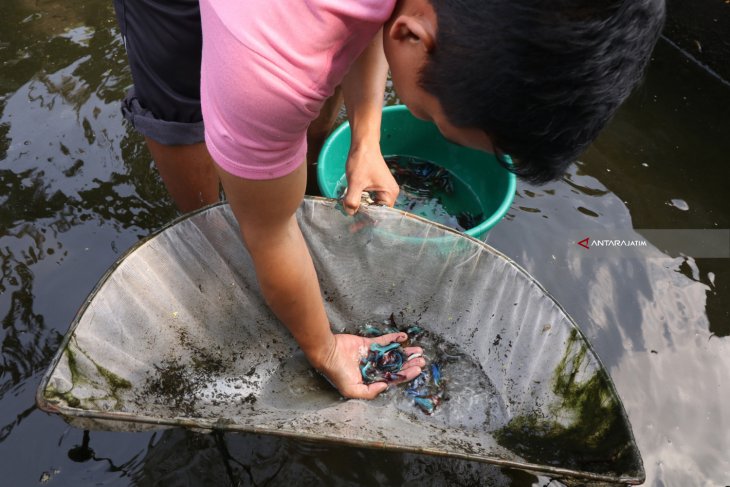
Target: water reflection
[
  {"x": 183, "y": 457},
  {"x": 647, "y": 319},
  {"x": 64, "y": 189}
]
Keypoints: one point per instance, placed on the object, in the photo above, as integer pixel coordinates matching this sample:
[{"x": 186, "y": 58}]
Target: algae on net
[
  {"x": 593, "y": 435},
  {"x": 112, "y": 383}
]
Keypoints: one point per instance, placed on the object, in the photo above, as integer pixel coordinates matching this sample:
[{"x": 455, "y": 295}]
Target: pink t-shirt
[{"x": 268, "y": 66}]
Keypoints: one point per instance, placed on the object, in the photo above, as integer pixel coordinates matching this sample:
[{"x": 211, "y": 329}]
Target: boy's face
[{"x": 408, "y": 38}]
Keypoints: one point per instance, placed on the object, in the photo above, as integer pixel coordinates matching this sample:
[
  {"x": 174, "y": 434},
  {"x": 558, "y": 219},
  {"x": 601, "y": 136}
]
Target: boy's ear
[{"x": 414, "y": 29}]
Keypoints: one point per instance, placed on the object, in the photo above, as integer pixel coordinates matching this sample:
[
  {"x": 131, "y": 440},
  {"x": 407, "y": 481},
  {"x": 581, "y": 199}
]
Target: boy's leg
[
  {"x": 188, "y": 173},
  {"x": 164, "y": 41},
  {"x": 318, "y": 131}
]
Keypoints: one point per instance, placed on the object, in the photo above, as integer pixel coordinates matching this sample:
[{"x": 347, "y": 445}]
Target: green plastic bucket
[{"x": 402, "y": 134}]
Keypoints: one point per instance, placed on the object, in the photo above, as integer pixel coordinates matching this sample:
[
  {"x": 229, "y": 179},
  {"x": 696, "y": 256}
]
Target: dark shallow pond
[{"x": 77, "y": 189}]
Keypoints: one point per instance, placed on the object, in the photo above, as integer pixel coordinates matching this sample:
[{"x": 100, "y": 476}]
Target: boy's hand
[
  {"x": 363, "y": 89},
  {"x": 367, "y": 171},
  {"x": 342, "y": 367}
]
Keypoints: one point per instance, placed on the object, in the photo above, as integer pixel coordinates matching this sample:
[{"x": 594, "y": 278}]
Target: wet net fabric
[{"x": 178, "y": 334}]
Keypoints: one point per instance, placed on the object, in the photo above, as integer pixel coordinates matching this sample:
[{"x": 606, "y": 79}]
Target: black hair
[{"x": 540, "y": 77}]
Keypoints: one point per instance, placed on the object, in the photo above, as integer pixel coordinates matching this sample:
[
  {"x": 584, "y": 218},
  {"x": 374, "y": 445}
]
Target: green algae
[
  {"x": 584, "y": 429},
  {"x": 72, "y": 366},
  {"x": 52, "y": 394},
  {"x": 114, "y": 383}
]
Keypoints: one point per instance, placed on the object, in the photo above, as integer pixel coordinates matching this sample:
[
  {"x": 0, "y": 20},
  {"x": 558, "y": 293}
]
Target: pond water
[{"x": 77, "y": 189}]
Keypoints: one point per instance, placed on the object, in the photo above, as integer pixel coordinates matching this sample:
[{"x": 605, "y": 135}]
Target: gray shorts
[{"x": 164, "y": 42}]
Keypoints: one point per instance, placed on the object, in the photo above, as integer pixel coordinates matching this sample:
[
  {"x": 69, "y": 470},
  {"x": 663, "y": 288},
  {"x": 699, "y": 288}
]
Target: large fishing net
[{"x": 178, "y": 334}]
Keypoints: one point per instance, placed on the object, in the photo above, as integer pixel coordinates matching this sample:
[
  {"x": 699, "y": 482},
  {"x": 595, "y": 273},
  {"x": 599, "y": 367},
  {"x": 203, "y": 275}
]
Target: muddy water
[{"x": 77, "y": 189}]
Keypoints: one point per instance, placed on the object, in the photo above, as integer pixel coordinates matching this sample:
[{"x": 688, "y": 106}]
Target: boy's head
[{"x": 536, "y": 79}]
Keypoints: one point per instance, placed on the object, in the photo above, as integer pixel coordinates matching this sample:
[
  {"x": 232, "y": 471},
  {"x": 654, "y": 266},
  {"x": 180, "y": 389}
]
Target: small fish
[
  {"x": 382, "y": 363},
  {"x": 370, "y": 331},
  {"x": 436, "y": 374},
  {"x": 414, "y": 331},
  {"x": 427, "y": 404},
  {"x": 418, "y": 385},
  {"x": 468, "y": 220},
  {"x": 382, "y": 349}
]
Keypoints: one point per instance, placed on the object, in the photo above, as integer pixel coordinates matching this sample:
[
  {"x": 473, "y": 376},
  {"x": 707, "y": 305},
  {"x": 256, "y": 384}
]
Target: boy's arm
[
  {"x": 363, "y": 88},
  {"x": 265, "y": 213}
]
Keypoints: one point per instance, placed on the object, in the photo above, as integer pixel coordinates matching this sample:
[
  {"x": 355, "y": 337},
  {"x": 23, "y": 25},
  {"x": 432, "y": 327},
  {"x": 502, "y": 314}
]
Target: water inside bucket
[{"x": 433, "y": 192}]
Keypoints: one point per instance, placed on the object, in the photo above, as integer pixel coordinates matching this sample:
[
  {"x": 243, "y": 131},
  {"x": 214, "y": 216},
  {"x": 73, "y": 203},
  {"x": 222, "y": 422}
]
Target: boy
[{"x": 534, "y": 79}]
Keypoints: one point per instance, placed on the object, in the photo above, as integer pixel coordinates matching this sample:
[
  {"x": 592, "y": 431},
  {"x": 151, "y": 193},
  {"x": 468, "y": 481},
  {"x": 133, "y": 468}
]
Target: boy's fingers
[
  {"x": 351, "y": 201},
  {"x": 419, "y": 362},
  {"x": 365, "y": 391},
  {"x": 408, "y": 373},
  {"x": 385, "y": 198},
  {"x": 411, "y": 350},
  {"x": 390, "y": 338},
  {"x": 376, "y": 388},
  {"x": 355, "y": 194}
]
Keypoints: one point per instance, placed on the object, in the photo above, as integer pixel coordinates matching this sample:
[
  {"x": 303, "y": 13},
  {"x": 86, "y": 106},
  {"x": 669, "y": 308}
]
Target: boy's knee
[{"x": 321, "y": 126}]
